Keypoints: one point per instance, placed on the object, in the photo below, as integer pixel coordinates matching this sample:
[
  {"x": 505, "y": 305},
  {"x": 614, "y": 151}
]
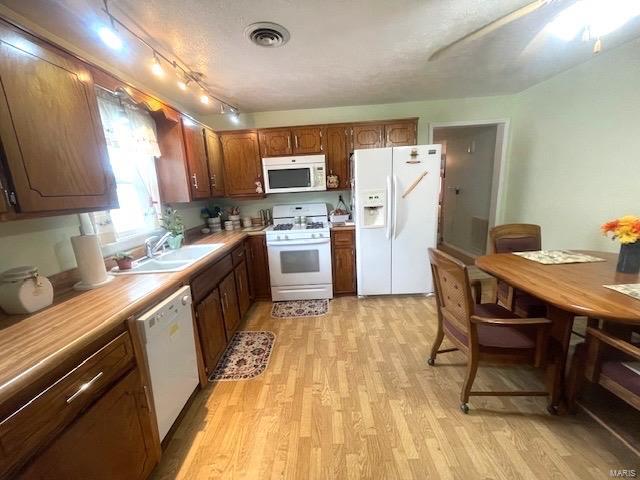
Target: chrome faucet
[{"x": 152, "y": 244}]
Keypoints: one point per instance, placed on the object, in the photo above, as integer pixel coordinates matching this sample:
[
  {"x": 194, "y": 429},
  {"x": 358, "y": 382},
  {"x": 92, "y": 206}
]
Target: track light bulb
[
  {"x": 156, "y": 67},
  {"x": 204, "y": 98}
]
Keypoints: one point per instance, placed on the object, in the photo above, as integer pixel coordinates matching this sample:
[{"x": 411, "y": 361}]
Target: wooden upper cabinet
[
  {"x": 242, "y": 165},
  {"x": 307, "y": 140},
  {"x": 337, "y": 140},
  {"x": 368, "y": 136},
  {"x": 276, "y": 142},
  {"x": 196, "y": 159},
  {"x": 171, "y": 167},
  {"x": 50, "y": 128},
  {"x": 400, "y": 134},
  {"x": 216, "y": 167}
]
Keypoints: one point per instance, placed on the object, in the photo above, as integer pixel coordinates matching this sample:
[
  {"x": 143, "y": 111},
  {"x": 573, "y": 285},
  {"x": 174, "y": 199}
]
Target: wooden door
[
  {"x": 400, "y": 134},
  {"x": 368, "y": 136},
  {"x": 343, "y": 262},
  {"x": 50, "y": 128},
  {"x": 242, "y": 287},
  {"x": 275, "y": 143},
  {"x": 196, "y": 159},
  {"x": 113, "y": 439},
  {"x": 216, "y": 168},
  {"x": 307, "y": 140},
  {"x": 242, "y": 165},
  {"x": 259, "y": 267},
  {"x": 338, "y": 155},
  {"x": 230, "y": 310}
]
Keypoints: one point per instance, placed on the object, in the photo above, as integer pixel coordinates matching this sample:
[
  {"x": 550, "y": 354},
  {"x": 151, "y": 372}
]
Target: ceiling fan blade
[{"x": 491, "y": 27}]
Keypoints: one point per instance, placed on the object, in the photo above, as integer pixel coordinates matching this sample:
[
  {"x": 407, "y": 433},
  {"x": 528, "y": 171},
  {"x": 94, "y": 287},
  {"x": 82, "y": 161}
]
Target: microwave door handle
[{"x": 312, "y": 179}]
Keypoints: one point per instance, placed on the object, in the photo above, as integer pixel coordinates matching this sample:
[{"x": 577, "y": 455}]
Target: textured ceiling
[{"x": 341, "y": 52}]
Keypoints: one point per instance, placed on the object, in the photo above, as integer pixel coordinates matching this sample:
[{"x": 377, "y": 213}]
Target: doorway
[{"x": 472, "y": 156}]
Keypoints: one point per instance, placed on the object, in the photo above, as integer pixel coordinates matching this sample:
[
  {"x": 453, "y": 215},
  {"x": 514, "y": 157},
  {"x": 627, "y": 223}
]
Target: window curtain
[{"x": 132, "y": 145}]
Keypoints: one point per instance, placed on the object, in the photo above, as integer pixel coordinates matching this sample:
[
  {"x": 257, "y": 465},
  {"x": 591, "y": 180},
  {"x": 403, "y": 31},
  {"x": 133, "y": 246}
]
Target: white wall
[{"x": 575, "y": 150}]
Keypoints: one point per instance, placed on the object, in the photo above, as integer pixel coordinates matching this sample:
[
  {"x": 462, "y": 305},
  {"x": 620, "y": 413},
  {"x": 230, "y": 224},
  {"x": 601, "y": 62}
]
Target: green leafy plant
[
  {"x": 172, "y": 221},
  {"x": 123, "y": 256}
]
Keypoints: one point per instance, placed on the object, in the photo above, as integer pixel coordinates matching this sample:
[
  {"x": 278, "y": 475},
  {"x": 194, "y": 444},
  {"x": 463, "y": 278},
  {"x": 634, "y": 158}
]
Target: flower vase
[
  {"x": 629, "y": 258},
  {"x": 175, "y": 241}
]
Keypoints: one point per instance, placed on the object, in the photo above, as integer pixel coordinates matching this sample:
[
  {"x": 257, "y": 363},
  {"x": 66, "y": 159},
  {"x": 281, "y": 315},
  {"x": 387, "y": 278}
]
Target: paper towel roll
[{"x": 89, "y": 258}]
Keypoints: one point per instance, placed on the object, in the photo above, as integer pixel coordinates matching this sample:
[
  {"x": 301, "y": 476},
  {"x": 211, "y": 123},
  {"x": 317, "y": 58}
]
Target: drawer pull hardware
[
  {"x": 84, "y": 387},
  {"x": 195, "y": 181}
]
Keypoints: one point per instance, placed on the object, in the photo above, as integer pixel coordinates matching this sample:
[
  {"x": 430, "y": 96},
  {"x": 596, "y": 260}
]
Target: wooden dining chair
[
  {"x": 517, "y": 237},
  {"x": 609, "y": 357},
  {"x": 485, "y": 332}
]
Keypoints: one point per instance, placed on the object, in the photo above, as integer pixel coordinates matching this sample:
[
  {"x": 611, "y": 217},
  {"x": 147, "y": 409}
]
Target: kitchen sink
[
  {"x": 172, "y": 260},
  {"x": 190, "y": 253}
]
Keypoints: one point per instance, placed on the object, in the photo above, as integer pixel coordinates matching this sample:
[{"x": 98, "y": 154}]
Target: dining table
[{"x": 569, "y": 290}]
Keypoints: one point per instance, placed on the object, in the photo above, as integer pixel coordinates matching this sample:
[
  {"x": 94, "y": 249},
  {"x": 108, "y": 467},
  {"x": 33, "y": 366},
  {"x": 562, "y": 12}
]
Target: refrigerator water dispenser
[{"x": 374, "y": 208}]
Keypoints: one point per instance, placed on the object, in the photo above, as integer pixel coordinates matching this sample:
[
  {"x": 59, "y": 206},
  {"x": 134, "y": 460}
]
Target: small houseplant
[
  {"x": 626, "y": 230},
  {"x": 172, "y": 222},
  {"x": 124, "y": 260}
]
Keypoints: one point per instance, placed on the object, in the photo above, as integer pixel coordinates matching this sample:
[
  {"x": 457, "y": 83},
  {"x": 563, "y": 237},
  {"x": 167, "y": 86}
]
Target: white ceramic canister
[
  {"x": 228, "y": 225},
  {"x": 23, "y": 290},
  {"x": 246, "y": 222}
]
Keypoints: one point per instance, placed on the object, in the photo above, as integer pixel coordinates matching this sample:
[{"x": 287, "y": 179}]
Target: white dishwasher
[{"x": 169, "y": 341}]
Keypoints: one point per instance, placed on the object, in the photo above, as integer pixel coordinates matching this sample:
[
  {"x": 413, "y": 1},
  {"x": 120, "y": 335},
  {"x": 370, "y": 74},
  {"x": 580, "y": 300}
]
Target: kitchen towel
[{"x": 93, "y": 272}]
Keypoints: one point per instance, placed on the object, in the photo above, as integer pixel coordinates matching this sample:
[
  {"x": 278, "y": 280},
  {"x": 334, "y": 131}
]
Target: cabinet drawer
[
  {"x": 238, "y": 255},
  {"x": 38, "y": 421},
  {"x": 343, "y": 238},
  {"x": 210, "y": 278}
]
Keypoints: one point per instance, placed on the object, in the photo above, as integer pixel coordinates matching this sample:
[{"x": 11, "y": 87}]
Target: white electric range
[{"x": 299, "y": 249}]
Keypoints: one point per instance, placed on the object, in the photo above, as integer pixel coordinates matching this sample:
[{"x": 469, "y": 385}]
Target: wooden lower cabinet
[
  {"x": 242, "y": 288},
  {"x": 112, "y": 439},
  {"x": 230, "y": 309},
  {"x": 343, "y": 259},
  {"x": 213, "y": 337},
  {"x": 258, "y": 267}
]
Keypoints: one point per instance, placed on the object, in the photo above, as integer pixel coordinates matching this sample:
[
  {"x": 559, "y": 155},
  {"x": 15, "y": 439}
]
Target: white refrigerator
[{"x": 396, "y": 192}]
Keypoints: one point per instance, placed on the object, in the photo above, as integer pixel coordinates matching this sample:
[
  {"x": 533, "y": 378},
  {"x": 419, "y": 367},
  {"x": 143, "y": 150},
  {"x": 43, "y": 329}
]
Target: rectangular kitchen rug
[
  {"x": 300, "y": 308},
  {"x": 246, "y": 356}
]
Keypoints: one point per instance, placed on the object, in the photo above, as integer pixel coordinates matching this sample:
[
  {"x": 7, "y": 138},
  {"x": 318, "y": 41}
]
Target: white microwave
[{"x": 306, "y": 173}]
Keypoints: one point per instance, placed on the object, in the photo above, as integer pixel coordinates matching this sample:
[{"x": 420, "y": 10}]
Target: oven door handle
[{"x": 285, "y": 243}]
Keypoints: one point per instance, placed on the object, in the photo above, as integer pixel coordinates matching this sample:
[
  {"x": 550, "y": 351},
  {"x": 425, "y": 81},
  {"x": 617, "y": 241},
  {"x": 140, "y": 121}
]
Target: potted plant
[
  {"x": 627, "y": 230},
  {"x": 124, "y": 260},
  {"x": 172, "y": 222}
]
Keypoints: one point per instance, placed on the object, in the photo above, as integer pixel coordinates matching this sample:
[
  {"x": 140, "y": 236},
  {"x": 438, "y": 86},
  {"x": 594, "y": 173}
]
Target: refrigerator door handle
[
  {"x": 388, "y": 206},
  {"x": 395, "y": 206}
]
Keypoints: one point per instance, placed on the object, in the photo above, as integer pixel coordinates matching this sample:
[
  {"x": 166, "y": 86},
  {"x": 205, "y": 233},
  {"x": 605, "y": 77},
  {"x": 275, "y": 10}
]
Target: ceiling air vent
[{"x": 267, "y": 34}]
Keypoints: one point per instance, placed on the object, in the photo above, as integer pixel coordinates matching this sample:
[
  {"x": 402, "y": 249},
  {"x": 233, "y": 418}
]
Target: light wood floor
[{"x": 349, "y": 395}]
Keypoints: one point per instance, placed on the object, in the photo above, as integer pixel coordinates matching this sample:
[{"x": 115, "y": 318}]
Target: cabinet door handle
[
  {"x": 289, "y": 143},
  {"x": 213, "y": 181},
  {"x": 295, "y": 137},
  {"x": 194, "y": 177},
  {"x": 380, "y": 137},
  {"x": 84, "y": 387}
]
